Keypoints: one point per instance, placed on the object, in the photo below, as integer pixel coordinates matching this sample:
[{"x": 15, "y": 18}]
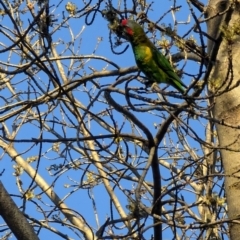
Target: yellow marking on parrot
[{"x": 148, "y": 53}]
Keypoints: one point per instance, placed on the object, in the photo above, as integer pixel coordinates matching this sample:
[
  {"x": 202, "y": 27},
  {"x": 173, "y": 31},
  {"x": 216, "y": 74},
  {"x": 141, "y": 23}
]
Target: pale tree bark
[{"x": 223, "y": 82}]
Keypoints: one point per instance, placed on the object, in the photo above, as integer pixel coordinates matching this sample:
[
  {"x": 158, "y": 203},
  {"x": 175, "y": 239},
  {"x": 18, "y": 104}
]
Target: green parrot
[{"x": 149, "y": 60}]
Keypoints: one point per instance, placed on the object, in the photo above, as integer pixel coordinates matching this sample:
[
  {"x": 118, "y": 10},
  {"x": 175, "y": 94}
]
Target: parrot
[{"x": 149, "y": 60}]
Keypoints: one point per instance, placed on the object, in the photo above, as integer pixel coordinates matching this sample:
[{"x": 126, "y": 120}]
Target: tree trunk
[{"x": 223, "y": 82}]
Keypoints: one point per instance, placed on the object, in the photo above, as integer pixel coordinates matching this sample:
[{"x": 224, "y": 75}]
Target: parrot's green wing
[{"x": 165, "y": 66}]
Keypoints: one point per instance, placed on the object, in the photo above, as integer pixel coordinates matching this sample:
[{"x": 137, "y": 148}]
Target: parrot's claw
[{"x": 148, "y": 84}]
